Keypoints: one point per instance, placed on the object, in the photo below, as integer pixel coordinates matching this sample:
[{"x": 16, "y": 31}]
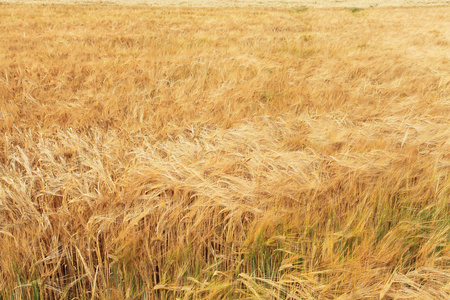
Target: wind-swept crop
[{"x": 162, "y": 153}]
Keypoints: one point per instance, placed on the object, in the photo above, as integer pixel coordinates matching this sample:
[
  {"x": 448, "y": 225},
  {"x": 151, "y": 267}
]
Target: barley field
[{"x": 224, "y": 153}]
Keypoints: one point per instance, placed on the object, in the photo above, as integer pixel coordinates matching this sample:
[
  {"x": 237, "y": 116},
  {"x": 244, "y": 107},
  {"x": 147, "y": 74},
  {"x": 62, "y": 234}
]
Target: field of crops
[{"x": 224, "y": 153}]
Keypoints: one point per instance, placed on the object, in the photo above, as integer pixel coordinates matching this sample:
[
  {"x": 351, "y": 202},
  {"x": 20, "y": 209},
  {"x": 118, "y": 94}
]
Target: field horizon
[
  {"x": 283, "y": 4},
  {"x": 223, "y": 153}
]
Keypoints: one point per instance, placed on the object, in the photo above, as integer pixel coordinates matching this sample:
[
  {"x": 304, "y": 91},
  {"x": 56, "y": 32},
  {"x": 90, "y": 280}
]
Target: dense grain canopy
[{"x": 224, "y": 153}]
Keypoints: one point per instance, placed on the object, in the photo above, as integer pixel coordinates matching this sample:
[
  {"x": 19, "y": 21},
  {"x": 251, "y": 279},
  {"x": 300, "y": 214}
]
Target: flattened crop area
[{"x": 220, "y": 153}]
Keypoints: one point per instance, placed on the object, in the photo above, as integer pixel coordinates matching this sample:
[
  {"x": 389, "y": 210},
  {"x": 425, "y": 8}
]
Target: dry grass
[{"x": 224, "y": 153}]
